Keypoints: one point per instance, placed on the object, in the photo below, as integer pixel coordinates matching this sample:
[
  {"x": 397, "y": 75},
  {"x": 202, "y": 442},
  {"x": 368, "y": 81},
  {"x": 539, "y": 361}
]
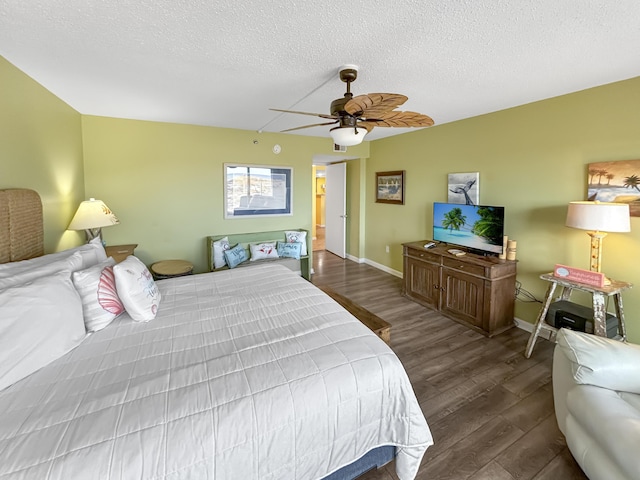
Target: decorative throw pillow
[
  {"x": 235, "y": 256},
  {"x": 219, "y": 247},
  {"x": 260, "y": 251},
  {"x": 137, "y": 290},
  {"x": 41, "y": 321},
  {"x": 294, "y": 236},
  {"x": 290, "y": 250},
  {"x": 97, "y": 288}
]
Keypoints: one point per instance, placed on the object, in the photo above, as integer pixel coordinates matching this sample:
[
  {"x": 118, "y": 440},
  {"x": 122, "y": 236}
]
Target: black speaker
[{"x": 577, "y": 317}]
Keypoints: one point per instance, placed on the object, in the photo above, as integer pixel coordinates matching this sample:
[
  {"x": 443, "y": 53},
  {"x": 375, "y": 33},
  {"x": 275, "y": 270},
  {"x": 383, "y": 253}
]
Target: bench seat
[{"x": 302, "y": 266}]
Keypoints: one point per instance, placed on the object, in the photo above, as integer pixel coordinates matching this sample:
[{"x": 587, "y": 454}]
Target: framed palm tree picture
[
  {"x": 617, "y": 182},
  {"x": 390, "y": 187}
]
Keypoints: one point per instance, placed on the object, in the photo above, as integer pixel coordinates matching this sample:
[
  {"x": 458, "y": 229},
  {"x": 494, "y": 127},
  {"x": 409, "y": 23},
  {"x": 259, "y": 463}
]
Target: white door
[{"x": 336, "y": 209}]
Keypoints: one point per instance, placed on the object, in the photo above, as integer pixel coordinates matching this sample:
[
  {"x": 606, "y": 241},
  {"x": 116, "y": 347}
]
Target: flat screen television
[{"x": 479, "y": 228}]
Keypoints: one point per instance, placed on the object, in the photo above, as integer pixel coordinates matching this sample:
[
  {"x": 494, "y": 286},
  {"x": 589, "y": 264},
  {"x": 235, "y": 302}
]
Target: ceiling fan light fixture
[{"x": 348, "y": 136}]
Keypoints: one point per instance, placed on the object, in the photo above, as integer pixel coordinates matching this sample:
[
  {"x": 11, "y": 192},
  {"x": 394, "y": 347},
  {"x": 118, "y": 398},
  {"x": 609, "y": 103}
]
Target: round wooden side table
[{"x": 171, "y": 268}]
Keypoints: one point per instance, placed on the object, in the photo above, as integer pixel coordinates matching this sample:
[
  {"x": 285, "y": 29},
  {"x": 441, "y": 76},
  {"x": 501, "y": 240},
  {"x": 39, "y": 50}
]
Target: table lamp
[
  {"x": 91, "y": 216},
  {"x": 598, "y": 218}
]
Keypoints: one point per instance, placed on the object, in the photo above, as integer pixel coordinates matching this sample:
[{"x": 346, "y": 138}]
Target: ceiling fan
[{"x": 357, "y": 116}]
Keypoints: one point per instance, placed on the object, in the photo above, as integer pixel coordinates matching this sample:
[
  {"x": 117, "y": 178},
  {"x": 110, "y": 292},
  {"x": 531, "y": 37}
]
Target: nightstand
[{"x": 120, "y": 252}]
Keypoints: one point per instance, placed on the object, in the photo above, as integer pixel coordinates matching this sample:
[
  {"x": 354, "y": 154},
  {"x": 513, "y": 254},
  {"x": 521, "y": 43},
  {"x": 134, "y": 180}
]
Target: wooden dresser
[{"x": 474, "y": 290}]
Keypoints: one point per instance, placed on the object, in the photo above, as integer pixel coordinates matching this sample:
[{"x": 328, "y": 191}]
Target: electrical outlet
[{"x": 386, "y": 248}]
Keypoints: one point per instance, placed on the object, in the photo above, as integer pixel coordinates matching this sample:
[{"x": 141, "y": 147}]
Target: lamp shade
[
  {"x": 348, "y": 136},
  {"x": 93, "y": 214},
  {"x": 599, "y": 216}
]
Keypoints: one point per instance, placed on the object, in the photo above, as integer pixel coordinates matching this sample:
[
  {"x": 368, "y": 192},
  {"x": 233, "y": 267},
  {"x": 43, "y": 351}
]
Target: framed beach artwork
[
  {"x": 390, "y": 187},
  {"x": 615, "y": 182},
  {"x": 464, "y": 188}
]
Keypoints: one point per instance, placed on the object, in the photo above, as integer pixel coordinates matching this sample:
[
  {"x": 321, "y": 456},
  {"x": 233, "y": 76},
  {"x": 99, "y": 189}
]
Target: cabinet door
[
  {"x": 423, "y": 282},
  {"x": 463, "y": 296}
]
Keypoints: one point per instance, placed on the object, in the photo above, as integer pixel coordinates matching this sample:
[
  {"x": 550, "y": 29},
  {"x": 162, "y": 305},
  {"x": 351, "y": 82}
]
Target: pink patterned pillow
[
  {"x": 107, "y": 293},
  {"x": 97, "y": 288}
]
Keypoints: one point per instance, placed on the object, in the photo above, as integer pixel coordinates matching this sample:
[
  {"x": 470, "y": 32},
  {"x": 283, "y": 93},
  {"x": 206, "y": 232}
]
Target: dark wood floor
[{"x": 490, "y": 410}]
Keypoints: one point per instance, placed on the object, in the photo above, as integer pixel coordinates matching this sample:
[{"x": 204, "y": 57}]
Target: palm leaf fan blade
[
  {"x": 374, "y": 104},
  {"x": 404, "y": 119},
  {"x": 308, "y": 126},
  {"x": 321, "y": 115}
]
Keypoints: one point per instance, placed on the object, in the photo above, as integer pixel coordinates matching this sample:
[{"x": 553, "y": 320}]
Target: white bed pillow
[
  {"x": 39, "y": 322},
  {"x": 71, "y": 263},
  {"x": 137, "y": 290},
  {"x": 92, "y": 253},
  {"x": 219, "y": 248},
  {"x": 260, "y": 251},
  {"x": 295, "y": 236},
  {"x": 97, "y": 288}
]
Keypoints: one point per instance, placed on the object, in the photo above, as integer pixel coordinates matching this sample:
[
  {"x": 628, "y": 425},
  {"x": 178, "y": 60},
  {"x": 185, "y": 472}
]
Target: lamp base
[
  {"x": 596, "y": 250},
  {"x": 92, "y": 233}
]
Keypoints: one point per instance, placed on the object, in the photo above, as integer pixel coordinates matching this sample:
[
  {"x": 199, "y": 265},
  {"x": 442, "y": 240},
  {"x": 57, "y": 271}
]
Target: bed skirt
[{"x": 375, "y": 458}]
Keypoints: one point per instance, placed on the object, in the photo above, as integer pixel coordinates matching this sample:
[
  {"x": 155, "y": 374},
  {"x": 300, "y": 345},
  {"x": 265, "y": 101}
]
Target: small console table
[{"x": 598, "y": 294}]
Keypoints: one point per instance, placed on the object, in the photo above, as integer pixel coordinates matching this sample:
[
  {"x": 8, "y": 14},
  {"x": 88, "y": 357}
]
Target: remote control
[
  {"x": 456, "y": 252},
  {"x": 430, "y": 245}
]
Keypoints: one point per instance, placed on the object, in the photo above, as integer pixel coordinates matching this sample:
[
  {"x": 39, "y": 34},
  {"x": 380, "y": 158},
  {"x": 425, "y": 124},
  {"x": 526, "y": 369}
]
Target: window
[{"x": 257, "y": 190}]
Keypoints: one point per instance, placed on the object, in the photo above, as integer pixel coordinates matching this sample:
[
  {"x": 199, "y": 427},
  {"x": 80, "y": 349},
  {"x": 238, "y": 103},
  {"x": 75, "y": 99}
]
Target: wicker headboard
[{"x": 21, "y": 226}]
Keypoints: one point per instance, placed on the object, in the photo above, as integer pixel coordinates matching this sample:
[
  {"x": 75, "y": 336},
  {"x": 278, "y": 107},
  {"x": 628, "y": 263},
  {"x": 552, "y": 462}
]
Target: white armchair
[{"x": 596, "y": 391}]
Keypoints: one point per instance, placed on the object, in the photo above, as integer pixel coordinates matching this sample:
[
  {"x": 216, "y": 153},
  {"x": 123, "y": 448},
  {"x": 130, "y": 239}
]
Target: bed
[{"x": 248, "y": 373}]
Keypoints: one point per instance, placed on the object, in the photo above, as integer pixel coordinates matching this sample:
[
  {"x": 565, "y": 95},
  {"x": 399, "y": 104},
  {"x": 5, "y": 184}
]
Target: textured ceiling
[{"x": 224, "y": 63}]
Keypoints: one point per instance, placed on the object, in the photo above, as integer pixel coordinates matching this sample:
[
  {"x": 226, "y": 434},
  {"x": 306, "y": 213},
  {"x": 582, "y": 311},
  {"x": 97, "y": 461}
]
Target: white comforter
[{"x": 245, "y": 374}]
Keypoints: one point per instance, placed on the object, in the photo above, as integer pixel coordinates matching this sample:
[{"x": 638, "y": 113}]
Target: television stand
[{"x": 474, "y": 290}]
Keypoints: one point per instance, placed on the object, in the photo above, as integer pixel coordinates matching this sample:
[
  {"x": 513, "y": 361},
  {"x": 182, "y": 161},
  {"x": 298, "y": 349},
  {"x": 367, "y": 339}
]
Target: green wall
[
  {"x": 356, "y": 207},
  {"x": 41, "y": 149},
  {"x": 533, "y": 160},
  {"x": 164, "y": 181}
]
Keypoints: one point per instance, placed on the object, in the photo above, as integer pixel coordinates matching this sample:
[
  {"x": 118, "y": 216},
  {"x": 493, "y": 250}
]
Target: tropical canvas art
[
  {"x": 464, "y": 188},
  {"x": 615, "y": 182}
]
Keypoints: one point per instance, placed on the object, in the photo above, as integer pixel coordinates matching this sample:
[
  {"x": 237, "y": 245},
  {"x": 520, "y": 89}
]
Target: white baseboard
[
  {"x": 528, "y": 327},
  {"x": 523, "y": 325},
  {"x": 354, "y": 259},
  {"x": 384, "y": 268}
]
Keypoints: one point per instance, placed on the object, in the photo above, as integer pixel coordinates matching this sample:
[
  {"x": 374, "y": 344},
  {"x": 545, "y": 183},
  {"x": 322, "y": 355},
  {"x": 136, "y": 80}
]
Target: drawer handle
[{"x": 122, "y": 251}]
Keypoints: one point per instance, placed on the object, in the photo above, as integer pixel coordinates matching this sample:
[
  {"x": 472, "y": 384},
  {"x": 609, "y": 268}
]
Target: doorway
[
  {"x": 319, "y": 214},
  {"x": 336, "y": 209},
  {"x": 329, "y": 208}
]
